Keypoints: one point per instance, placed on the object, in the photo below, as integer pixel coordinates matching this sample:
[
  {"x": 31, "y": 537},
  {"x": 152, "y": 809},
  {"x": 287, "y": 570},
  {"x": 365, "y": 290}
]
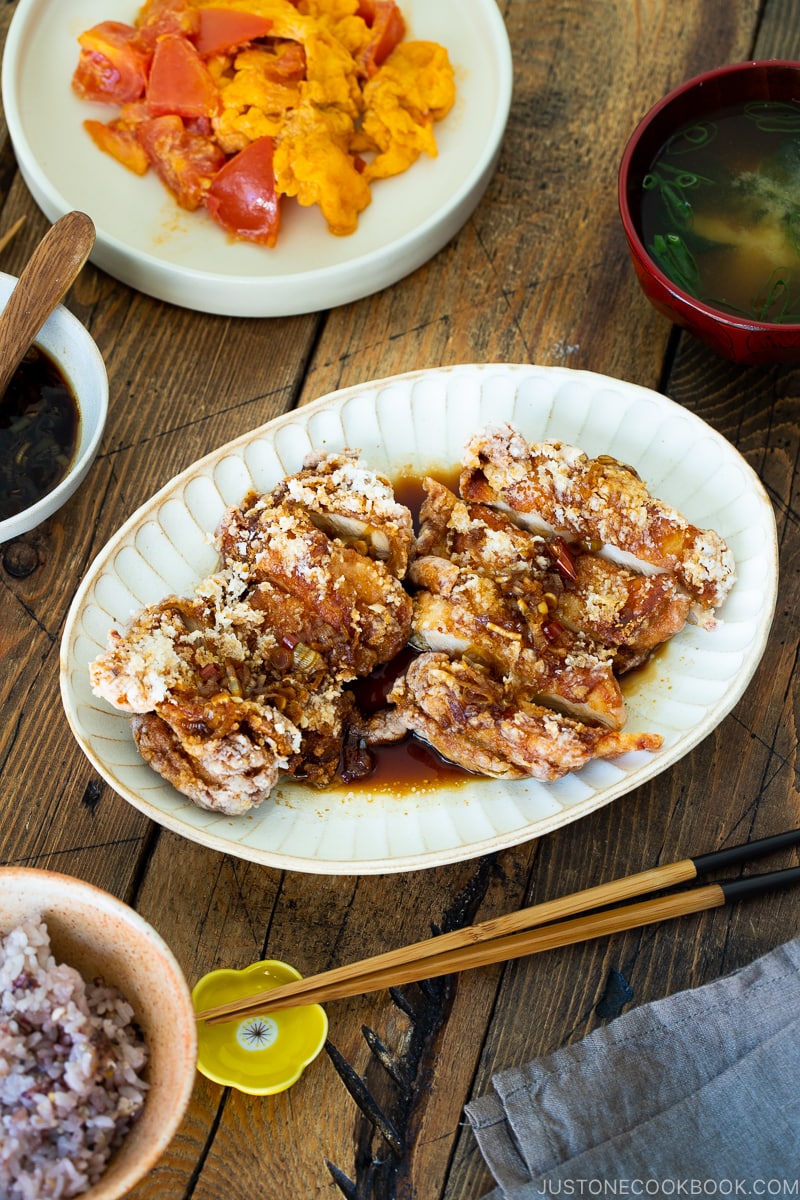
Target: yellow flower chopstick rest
[{"x": 260, "y": 1055}]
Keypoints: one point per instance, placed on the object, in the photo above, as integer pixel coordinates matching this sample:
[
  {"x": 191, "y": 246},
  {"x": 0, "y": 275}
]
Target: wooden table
[{"x": 539, "y": 274}]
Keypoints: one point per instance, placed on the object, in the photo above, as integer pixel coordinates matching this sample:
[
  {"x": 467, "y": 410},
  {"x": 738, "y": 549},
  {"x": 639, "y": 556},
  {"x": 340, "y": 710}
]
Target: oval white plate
[
  {"x": 413, "y": 423},
  {"x": 146, "y": 241}
]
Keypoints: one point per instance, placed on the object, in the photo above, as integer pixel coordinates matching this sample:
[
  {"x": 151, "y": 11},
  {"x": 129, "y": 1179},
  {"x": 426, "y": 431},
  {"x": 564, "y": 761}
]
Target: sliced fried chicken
[
  {"x": 487, "y": 591},
  {"x": 556, "y": 488},
  {"x": 196, "y": 646},
  {"x": 520, "y": 626},
  {"x": 480, "y": 538},
  {"x": 617, "y": 608},
  {"x": 342, "y": 603},
  {"x": 621, "y": 609},
  {"x": 353, "y": 503},
  {"x": 471, "y": 718},
  {"x": 222, "y": 706},
  {"x": 467, "y": 615},
  {"x": 245, "y": 680}
]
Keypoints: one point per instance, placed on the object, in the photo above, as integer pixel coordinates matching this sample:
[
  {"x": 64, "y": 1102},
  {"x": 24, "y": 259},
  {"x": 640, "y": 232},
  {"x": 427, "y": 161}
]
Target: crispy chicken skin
[
  {"x": 626, "y": 613},
  {"x": 222, "y": 706},
  {"x": 480, "y": 538},
  {"x": 226, "y": 772},
  {"x": 334, "y": 595},
  {"x": 600, "y": 502},
  {"x": 468, "y": 615},
  {"x": 468, "y": 715},
  {"x": 244, "y": 681},
  {"x": 629, "y": 613},
  {"x": 354, "y": 504},
  {"x": 184, "y": 646}
]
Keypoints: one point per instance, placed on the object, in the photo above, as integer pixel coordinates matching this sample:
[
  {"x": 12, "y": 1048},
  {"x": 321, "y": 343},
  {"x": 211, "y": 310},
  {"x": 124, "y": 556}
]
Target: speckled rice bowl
[
  {"x": 97, "y": 1040},
  {"x": 71, "y": 1057}
]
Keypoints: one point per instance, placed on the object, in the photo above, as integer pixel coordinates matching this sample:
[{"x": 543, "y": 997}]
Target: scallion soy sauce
[{"x": 39, "y": 428}]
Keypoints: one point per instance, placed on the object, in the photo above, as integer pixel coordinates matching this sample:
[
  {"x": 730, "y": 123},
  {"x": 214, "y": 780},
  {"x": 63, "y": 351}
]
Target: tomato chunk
[
  {"x": 180, "y": 83},
  {"x": 121, "y": 142},
  {"x": 157, "y": 17},
  {"x": 223, "y": 29},
  {"x": 388, "y": 29},
  {"x": 113, "y": 64},
  {"x": 288, "y": 64},
  {"x": 184, "y": 161},
  {"x": 242, "y": 198}
]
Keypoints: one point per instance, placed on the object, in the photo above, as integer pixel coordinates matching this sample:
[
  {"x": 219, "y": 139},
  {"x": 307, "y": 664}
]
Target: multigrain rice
[{"x": 71, "y": 1057}]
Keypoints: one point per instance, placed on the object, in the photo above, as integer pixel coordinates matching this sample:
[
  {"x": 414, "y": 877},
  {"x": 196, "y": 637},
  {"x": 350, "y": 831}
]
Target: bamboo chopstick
[{"x": 521, "y": 933}]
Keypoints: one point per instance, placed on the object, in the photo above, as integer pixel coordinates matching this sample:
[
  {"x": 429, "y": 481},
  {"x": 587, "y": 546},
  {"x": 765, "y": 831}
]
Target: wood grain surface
[{"x": 540, "y": 273}]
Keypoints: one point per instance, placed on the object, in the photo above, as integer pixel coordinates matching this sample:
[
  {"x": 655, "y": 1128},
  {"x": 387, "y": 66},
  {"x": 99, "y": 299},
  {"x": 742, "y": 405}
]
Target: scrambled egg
[
  {"x": 313, "y": 163},
  {"x": 338, "y": 123},
  {"x": 413, "y": 89}
]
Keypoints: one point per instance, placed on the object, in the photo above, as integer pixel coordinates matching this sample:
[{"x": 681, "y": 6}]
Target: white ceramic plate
[
  {"x": 414, "y": 423},
  {"x": 146, "y": 241}
]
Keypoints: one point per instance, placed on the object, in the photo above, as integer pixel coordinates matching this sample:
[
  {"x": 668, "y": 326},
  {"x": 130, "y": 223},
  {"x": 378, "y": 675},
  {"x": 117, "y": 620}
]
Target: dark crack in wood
[
  {"x": 390, "y": 1062},
  {"x": 345, "y": 1185},
  {"x": 402, "y": 1080},
  {"x": 92, "y": 795},
  {"x": 401, "y": 1001},
  {"x": 617, "y": 993},
  {"x": 365, "y": 1100}
]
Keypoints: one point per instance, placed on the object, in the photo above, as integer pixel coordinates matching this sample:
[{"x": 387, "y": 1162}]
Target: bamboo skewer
[{"x": 521, "y": 933}]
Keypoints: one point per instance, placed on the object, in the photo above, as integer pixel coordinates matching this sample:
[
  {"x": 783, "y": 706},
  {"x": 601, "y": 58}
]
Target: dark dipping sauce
[
  {"x": 406, "y": 766},
  {"x": 409, "y": 765},
  {"x": 39, "y": 426}
]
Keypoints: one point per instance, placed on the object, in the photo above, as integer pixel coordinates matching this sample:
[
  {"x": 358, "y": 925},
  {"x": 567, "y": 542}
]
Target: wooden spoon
[{"x": 50, "y": 271}]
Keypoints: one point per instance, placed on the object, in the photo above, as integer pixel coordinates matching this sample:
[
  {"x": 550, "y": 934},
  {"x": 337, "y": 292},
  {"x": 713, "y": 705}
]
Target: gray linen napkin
[{"x": 696, "y": 1094}]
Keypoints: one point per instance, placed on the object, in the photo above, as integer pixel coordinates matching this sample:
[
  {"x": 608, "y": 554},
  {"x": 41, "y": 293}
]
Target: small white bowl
[
  {"x": 72, "y": 348},
  {"x": 100, "y": 936}
]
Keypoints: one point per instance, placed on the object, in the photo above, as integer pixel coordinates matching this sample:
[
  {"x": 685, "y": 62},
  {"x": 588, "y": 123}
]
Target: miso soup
[{"x": 721, "y": 210}]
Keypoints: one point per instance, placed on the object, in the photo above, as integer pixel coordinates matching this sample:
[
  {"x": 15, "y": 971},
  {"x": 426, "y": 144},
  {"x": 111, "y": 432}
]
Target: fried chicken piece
[
  {"x": 223, "y": 706},
  {"x": 471, "y": 718},
  {"x": 187, "y": 646},
  {"x": 481, "y": 538},
  {"x": 556, "y": 488},
  {"x": 344, "y": 605},
  {"x": 350, "y": 502},
  {"x": 229, "y": 765},
  {"x": 467, "y": 615},
  {"x": 490, "y": 591},
  {"x": 621, "y": 609},
  {"x": 614, "y": 606},
  {"x": 245, "y": 680}
]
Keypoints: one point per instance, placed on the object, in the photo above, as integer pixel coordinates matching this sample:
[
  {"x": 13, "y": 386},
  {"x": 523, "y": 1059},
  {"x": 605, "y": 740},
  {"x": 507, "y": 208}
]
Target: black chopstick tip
[
  {"x": 734, "y": 856},
  {"x": 756, "y": 885}
]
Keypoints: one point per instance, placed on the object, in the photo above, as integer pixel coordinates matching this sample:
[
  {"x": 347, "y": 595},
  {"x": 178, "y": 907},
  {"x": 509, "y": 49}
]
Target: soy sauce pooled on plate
[{"x": 39, "y": 428}]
